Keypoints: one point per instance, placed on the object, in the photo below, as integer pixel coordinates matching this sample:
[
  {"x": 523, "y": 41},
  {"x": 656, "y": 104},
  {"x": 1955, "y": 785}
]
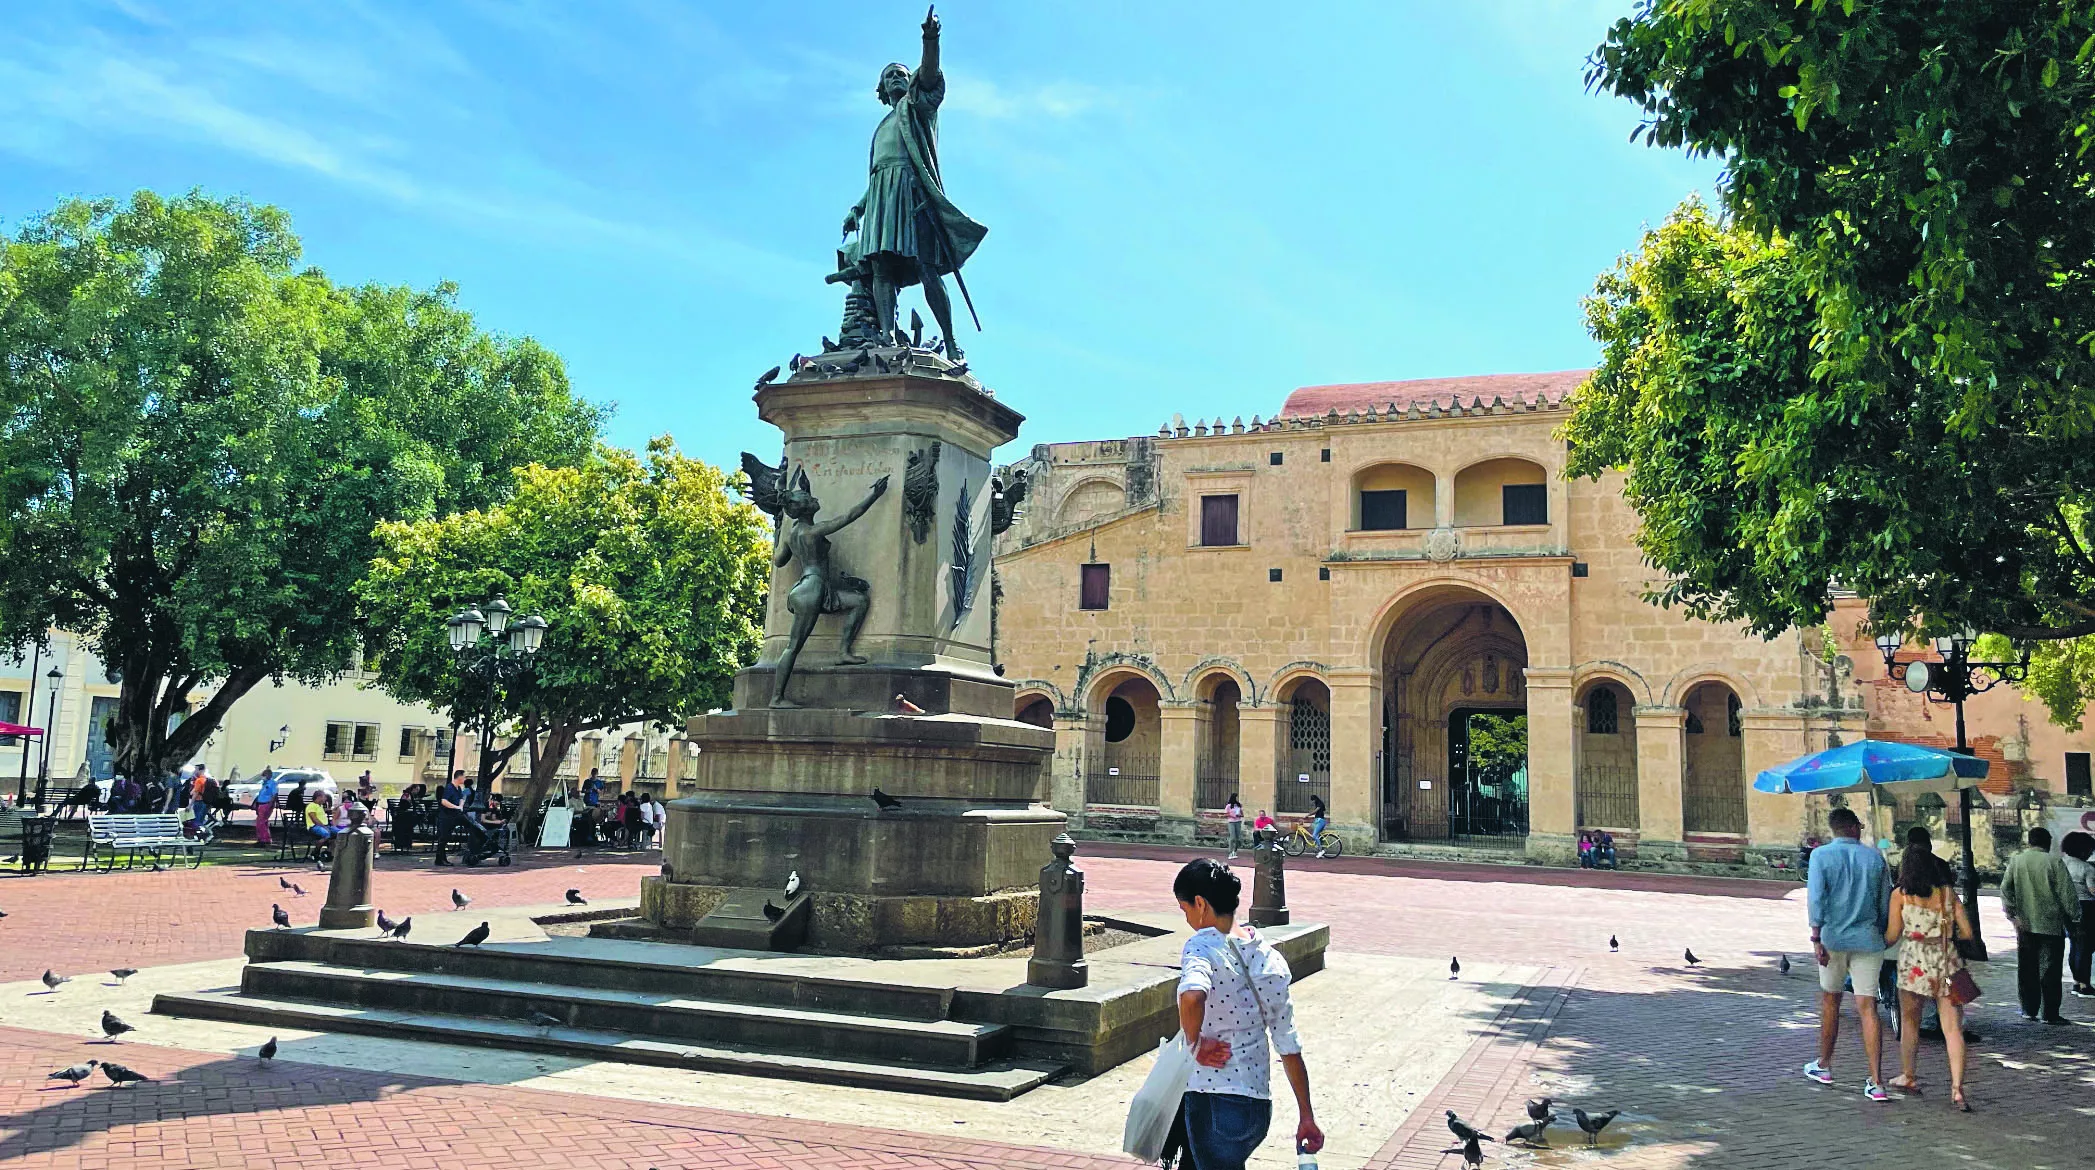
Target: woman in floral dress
[{"x": 1925, "y": 918}]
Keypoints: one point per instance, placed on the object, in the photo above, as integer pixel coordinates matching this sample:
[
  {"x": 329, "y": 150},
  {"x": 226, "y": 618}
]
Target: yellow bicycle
[{"x": 1299, "y": 842}]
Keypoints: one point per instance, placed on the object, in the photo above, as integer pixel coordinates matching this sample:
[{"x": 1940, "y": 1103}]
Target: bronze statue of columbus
[{"x": 908, "y": 231}]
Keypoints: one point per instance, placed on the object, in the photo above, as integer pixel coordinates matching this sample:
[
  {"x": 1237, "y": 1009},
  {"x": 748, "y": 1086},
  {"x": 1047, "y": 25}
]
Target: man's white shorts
[{"x": 1865, "y": 967}]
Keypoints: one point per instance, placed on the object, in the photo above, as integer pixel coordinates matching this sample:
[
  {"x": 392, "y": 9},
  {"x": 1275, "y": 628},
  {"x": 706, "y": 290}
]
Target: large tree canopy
[
  {"x": 1875, "y": 370},
  {"x": 651, "y": 577},
  {"x": 197, "y": 440}
]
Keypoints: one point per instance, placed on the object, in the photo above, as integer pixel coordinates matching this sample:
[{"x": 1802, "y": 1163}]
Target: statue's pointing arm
[{"x": 927, "y": 73}]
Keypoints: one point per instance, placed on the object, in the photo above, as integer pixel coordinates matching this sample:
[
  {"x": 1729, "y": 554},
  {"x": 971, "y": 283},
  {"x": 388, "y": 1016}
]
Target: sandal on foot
[
  {"x": 1958, "y": 1099},
  {"x": 1903, "y": 1085}
]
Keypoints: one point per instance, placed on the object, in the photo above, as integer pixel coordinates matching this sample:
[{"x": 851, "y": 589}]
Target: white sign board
[
  {"x": 1301, "y": 777},
  {"x": 1425, "y": 784},
  {"x": 1112, "y": 771}
]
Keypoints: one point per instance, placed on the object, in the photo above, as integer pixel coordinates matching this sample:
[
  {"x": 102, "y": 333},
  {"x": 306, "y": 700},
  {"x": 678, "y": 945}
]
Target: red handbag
[{"x": 1962, "y": 987}]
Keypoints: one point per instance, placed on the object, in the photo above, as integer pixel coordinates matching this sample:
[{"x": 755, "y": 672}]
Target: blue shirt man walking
[{"x": 1849, "y": 899}]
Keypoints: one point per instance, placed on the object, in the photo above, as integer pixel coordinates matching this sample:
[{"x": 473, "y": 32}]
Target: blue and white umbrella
[{"x": 1868, "y": 763}]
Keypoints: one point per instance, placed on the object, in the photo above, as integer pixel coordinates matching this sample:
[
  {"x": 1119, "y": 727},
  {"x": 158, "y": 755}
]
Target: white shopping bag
[{"x": 1155, "y": 1105}]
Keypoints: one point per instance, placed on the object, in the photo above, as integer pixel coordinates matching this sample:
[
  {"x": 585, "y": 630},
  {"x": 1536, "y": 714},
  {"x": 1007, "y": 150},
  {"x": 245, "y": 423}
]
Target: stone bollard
[
  {"x": 349, "y": 882},
  {"x": 1058, "y": 936},
  {"x": 1269, "y": 884}
]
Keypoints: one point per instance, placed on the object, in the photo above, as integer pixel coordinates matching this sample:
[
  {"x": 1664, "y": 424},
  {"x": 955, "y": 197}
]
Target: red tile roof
[{"x": 1317, "y": 400}]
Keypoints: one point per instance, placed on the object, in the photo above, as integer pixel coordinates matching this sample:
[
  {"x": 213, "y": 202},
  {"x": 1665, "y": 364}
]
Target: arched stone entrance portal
[{"x": 1453, "y": 728}]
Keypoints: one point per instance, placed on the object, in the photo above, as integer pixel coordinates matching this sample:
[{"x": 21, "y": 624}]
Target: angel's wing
[{"x": 765, "y": 483}]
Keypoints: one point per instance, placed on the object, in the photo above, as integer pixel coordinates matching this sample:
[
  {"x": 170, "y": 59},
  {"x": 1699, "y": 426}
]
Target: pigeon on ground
[
  {"x": 1454, "y": 968},
  {"x": 544, "y": 1020},
  {"x": 400, "y": 931},
  {"x": 3, "y": 913},
  {"x": 288, "y": 884},
  {"x": 474, "y": 937},
  {"x": 1472, "y": 1153},
  {"x": 1783, "y": 965},
  {"x": 793, "y": 884},
  {"x": 52, "y": 981},
  {"x": 575, "y": 898},
  {"x": 1689, "y": 955},
  {"x": 1539, "y": 1108},
  {"x": 959, "y": 371},
  {"x": 885, "y": 801},
  {"x": 772, "y": 911},
  {"x": 120, "y": 1076},
  {"x": 829, "y": 346},
  {"x": 267, "y": 1051},
  {"x": 904, "y": 707},
  {"x": 768, "y": 376},
  {"x": 1464, "y": 1130},
  {"x": 113, "y": 1027},
  {"x": 460, "y": 901},
  {"x": 1531, "y": 1133},
  {"x": 277, "y": 915},
  {"x": 1612, "y": 944},
  {"x": 1594, "y": 1124},
  {"x": 75, "y": 1073},
  {"x": 123, "y": 974},
  {"x": 385, "y": 925}
]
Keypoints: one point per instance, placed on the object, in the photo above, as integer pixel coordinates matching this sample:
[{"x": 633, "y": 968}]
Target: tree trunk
[
  {"x": 150, "y": 695},
  {"x": 547, "y": 765}
]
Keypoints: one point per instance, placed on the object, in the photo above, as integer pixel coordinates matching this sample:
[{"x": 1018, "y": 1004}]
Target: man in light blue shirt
[{"x": 1850, "y": 905}]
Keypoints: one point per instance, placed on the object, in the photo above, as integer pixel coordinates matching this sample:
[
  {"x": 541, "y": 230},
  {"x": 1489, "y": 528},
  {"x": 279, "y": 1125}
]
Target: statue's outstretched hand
[
  {"x": 931, "y": 21},
  {"x": 880, "y": 486},
  {"x": 850, "y": 221}
]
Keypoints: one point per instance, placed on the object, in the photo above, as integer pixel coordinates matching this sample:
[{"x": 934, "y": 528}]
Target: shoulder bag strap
[{"x": 1249, "y": 981}]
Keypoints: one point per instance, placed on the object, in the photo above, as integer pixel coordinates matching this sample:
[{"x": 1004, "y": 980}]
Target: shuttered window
[
  {"x": 1218, "y": 521},
  {"x": 1382, "y": 511},
  {"x": 1526, "y": 503},
  {"x": 1097, "y": 586}
]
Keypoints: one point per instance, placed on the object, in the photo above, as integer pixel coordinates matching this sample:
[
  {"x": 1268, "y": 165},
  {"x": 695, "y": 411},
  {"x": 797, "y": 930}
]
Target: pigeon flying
[
  {"x": 884, "y": 800},
  {"x": 1783, "y": 965},
  {"x": 120, "y": 1076},
  {"x": 1531, "y": 1133},
  {"x": 277, "y": 915},
  {"x": 1689, "y": 955},
  {"x": 474, "y": 937},
  {"x": 1538, "y": 1108},
  {"x": 1594, "y": 1124},
  {"x": 460, "y": 901},
  {"x": 113, "y": 1027},
  {"x": 74, "y": 1073},
  {"x": 1612, "y": 944},
  {"x": 1454, "y": 968},
  {"x": 124, "y": 973},
  {"x": 52, "y": 981},
  {"x": 267, "y": 1051},
  {"x": 575, "y": 898},
  {"x": 1463, "y": 1130}
]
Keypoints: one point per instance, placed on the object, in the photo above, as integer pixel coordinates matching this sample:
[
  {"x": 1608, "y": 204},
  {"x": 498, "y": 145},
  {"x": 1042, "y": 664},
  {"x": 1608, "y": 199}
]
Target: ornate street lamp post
[
  {"x": 43, "y": 767},
  {"x": 498, "y": 663},
  {"x": 1956, "y": 678}
]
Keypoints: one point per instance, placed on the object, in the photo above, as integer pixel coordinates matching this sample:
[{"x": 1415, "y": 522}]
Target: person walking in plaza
[
  {"x": 1926, "y": 921},
  {"x": 2037, "y": 893},
  {"x": 1849, "y": 905},
  {"x": 450, "y": 812},
  {"x": 1233, "y": 816},
  {"x": 265, "y": 804},
  {"x": 1233, "y": 995},
  {"x": 2077, "y": 849}
]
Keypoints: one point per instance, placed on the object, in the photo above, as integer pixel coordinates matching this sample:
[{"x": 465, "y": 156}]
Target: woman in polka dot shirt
[{"x": 1232, "y": 996}]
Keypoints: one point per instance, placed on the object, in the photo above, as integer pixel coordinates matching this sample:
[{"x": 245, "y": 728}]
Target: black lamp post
[
  {"x": 43, "y": 767},
  {"x": 495, "y": 664},
  {"x": 1956, "y": 678},
  {"x": 29, "y": 720}
]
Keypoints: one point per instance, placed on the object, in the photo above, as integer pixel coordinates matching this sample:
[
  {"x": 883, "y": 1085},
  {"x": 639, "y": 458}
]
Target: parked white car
[{"x": 316, "y": 781}]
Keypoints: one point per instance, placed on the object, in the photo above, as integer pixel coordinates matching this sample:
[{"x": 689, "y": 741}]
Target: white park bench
[{"x": 156, "y": 834}]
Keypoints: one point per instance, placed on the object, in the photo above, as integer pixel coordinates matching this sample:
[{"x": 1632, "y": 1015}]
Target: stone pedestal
[
  {"x": 349, "y": 881},
  {"x": 777, "y": 790}
]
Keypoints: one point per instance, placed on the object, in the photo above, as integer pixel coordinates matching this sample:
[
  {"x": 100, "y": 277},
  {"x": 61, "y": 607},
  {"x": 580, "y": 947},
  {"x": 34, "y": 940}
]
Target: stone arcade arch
[
  {"x": 1713, "y": 780},
  {"x": 1604, "y": 744},
  {"x": 1123, "y": 742}
]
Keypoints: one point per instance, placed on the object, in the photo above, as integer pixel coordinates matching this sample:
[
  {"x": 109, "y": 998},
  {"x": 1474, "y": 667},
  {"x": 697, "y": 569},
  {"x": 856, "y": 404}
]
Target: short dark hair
[
  {"x": 2078, "y": 845},
  {"x": 1844, "y": 819},
  {"x": 1210, "y": 879},
  {"x": 2040, "y": 838}
]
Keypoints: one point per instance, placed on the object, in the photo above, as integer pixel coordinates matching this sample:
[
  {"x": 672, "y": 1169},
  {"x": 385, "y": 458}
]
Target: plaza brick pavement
[
  {"x": 214, "y": 1111},
  {"x": 1703, "y": 1060}
]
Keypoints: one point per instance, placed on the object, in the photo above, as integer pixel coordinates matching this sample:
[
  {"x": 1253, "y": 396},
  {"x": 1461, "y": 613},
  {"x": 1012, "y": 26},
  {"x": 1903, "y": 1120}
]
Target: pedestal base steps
[{"x": 948, "y": 1027}]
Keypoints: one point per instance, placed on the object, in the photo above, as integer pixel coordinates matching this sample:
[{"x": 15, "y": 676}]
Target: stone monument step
[
  {"x": 671, "y": 1018},
  {"x": 712, "y": 973},
  {"x": 996, "y": 1082}
]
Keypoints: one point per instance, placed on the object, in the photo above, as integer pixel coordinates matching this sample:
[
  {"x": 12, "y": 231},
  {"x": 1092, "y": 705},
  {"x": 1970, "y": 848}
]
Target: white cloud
[{"x": 984, "y": 98}]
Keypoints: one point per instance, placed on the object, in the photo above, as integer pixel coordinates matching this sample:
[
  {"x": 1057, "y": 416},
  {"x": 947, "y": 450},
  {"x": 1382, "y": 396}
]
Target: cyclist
[{"x": 1319, "y": 820}]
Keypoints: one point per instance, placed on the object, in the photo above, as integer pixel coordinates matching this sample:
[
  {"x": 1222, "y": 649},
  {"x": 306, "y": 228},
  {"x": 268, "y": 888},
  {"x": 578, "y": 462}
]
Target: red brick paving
[{"x": 206, "y": 1110}]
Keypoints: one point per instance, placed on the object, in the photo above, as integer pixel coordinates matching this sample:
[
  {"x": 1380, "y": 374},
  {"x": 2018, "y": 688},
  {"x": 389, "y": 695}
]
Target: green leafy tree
[
  {"x": 650, "y": 575},
  {"x": 1874, "y": 370},
  {"x": 1498, "y": 745},
  {"x": 196, "y": 441}
]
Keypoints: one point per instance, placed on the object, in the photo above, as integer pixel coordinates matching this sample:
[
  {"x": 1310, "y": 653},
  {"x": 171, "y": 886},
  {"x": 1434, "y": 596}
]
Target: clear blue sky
[{"x": 1193, "y": 207}]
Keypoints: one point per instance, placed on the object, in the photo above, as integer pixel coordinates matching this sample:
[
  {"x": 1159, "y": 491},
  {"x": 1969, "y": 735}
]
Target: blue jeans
[
  {"x": 1317, "y": 825},
  {"x": 1223, "y": 1129}
]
